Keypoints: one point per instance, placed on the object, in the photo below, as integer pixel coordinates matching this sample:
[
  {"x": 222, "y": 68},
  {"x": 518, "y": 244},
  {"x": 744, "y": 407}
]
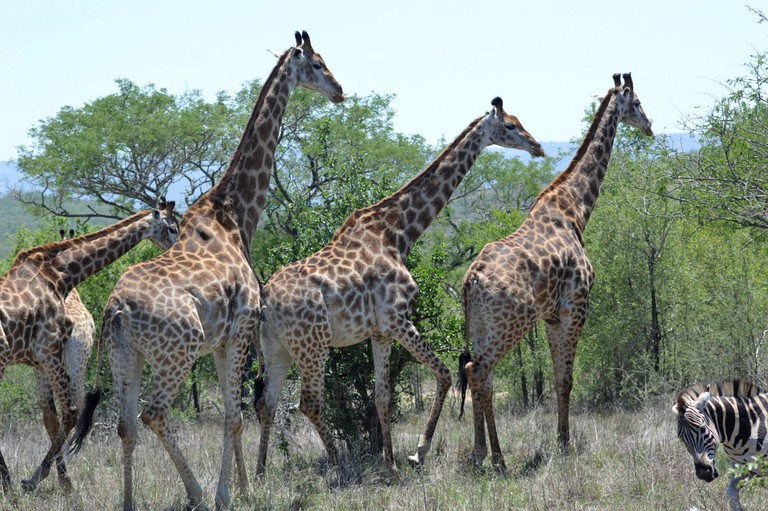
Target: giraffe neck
[
  {"x": 237, "y": 199},
  {"x": 574, "y": 192},
  {"x": 79, "y": 258},
  {"x": 406, "y": 214}
]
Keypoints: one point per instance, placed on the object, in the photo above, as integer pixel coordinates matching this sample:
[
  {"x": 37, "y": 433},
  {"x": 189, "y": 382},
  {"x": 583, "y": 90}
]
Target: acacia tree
[{"x": 126, "y": 150}]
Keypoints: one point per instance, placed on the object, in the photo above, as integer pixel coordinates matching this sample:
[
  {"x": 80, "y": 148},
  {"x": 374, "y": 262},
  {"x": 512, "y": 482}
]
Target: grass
[{"x": 619, "y": 460}]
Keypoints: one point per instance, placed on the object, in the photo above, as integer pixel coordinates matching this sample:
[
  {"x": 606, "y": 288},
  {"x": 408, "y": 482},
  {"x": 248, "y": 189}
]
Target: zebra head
[{"x": 697, "y": 431}]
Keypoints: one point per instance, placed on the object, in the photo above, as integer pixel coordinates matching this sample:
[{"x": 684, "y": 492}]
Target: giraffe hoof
[{"x": 415, "y": 463}]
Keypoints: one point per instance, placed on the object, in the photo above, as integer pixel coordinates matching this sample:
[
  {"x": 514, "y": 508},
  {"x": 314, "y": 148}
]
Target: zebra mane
[{"x": 730, "y": 388}]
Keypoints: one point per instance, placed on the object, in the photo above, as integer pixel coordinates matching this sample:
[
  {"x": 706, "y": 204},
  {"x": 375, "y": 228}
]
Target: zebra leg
[{"x": 732, "y": 493}]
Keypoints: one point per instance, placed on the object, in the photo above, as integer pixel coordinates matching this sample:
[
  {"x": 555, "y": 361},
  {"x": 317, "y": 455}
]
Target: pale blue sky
[{"x": 444, "y": 61}]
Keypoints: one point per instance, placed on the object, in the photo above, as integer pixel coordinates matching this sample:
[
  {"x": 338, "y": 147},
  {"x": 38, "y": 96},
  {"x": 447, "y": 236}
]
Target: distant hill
[{"x": 682, "y": 142}]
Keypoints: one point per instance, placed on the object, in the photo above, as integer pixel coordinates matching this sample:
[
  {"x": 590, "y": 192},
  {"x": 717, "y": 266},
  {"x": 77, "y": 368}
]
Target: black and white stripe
[{"x": 733, "y": 413}]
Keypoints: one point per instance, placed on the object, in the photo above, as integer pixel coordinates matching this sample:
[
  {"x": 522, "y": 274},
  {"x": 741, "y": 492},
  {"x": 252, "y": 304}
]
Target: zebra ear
[{"x": 701, "y": 401}]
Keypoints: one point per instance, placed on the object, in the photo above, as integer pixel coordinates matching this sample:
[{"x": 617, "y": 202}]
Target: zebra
[{"x": 734, "y": 413}]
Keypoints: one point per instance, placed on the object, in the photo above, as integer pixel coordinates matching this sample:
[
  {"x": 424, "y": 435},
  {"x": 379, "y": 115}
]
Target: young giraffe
[
  {"x": 358, "y": 286},
  {"x": 541, "y": 272},
  {"x": 202, "y": 296},
  {"x": 77, "y": 350},
  {"x": 34, "y": 325}
]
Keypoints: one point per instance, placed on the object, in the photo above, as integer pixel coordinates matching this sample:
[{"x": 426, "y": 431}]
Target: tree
[
  {"x": 727, "y": 179},
  {"x": 126, "y": 150}
]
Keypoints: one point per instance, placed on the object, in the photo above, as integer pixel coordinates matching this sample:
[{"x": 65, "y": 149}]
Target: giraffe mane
[
  {"x": 582, "y": 147},
  {"x": 259, "y": 103},
  {"x": 52, "y": 248},
  {"x": 384, "y": 203}
]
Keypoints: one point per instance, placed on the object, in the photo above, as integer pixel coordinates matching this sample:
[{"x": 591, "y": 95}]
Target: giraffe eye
[
  {"x": 317, "y": 66},
  {"x": 510, "y": 126}
]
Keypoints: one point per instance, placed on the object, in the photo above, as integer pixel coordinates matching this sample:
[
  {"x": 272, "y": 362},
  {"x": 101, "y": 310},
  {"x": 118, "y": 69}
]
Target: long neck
[
  {"x": 574, "y": 192},
  {"x": 79, "y": 258},
  {"x": 242, "y": 190},
  {"x": 407, "y": 213}
]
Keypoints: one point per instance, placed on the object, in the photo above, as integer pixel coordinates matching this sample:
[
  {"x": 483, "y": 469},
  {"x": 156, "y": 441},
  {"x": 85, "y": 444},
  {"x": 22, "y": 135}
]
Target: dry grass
[{"x": 620, "y": 460}]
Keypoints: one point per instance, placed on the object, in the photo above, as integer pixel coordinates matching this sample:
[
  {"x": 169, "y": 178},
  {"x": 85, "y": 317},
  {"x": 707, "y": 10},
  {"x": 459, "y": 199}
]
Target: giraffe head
[
  {"x": 164, "y": 230},
  {"x": 630, "y": 111},
  {"x": 507, "y": 131},
  {"x": 311, "y": 69}
]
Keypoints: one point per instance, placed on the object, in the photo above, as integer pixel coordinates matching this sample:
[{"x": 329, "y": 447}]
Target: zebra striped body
[{"x": 733, "y": 413}]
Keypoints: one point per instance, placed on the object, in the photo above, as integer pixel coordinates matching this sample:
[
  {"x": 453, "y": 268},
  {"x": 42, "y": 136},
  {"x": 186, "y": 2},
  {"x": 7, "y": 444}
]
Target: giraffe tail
[
  {"x": 258, "y": 383},
  {"x": 92, "y": 398},
  {"x": 464, "y": 359}
]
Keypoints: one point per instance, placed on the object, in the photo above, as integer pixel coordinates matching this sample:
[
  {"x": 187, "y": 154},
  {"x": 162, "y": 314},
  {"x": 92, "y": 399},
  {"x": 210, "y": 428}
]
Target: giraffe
[
  {"x": 202, "y": 295},
  {"x": 359, "y": 287},
  {"x": 76, "y": 352},
  {"x": 541, "y": 272},
  {"x": 35, "y": 327}
]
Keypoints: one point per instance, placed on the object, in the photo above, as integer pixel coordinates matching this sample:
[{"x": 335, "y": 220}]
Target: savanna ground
[{"x": 627, "y": 460}]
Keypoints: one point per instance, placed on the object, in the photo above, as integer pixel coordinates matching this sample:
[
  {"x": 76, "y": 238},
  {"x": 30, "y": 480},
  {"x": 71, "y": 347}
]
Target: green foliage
[
  {"x": 728, "y": 178},
  {"x": 127, "y": 149}
]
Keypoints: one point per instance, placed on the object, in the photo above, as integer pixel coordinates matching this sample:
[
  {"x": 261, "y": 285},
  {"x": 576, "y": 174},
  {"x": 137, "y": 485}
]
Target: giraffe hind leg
[
  {"x": 51, "y": 422},
  {"x": 58, "y": 379},
  {"x": 277, "y": 362},
  {"x": 410, "y": 338},
  {"x": 155, "y": 417},
  {"x": 381, "y": 348}
]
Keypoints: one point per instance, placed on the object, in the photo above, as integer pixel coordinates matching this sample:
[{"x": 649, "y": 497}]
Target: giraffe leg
[
  {"x": 127, "y": 367},
  {"x": 229, "y": 368},
  {"x": 410, "y": 338},
  {"x": 58, "y": 379},
  {"x": 277, "y": 362},
  {"x": 51, "y": 421},
  {"x": 479, "y": 375},
  {"x": 312, "y": 402},
  {"x": 563, "y": 336},
  {"x": 382, "y": 347},
  {"x": 165, "y": 386},
  {"x": 5, "y": 476},
  {"x": 497, "y": 459}
]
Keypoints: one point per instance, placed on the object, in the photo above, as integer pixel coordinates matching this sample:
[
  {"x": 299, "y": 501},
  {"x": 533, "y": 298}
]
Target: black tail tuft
[
  {"x": 85, "y": 422},
  {"x": 464, "y": 359},
  {"x": 258, "y": 390}
]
